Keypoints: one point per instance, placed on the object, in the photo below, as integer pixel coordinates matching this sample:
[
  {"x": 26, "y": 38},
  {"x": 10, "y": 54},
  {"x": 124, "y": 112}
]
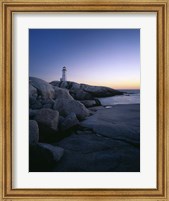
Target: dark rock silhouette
[{"x": 42, "y": 157}]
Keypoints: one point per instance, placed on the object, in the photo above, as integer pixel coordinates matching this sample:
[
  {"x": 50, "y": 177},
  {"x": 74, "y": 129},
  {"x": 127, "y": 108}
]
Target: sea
[{"x": 130, "y": 97}]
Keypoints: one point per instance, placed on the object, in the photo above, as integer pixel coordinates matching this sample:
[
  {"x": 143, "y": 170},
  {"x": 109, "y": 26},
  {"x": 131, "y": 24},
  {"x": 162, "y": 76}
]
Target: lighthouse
[{"x": 63, "y": 74}]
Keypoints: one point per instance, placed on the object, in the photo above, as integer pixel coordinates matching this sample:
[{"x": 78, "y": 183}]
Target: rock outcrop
[
  {"x": 32, "y": 94},
  {"x": 62, "y": 93},
  {"x": 48, "y": 121},
  {"x": 48, "y": 118},
  {"x": 47, "y": 103},
  {"x": 89, "y": 103},
  {"x": 43, "y": 156},
  {"x": 86, "y": 92},
  {"x": 69, "y": 122},
  {"x": 44, "y": 89},
  {"x": 33, "y": 132},
  {"x": 64, "y": 136},
  {"x": 43, "y": 94},
  {"x": 67, "y": 106}
]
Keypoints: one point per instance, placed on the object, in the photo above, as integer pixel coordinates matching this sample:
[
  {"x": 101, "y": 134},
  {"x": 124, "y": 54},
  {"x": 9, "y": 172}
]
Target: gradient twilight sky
[{"x": 103, "y": 57}]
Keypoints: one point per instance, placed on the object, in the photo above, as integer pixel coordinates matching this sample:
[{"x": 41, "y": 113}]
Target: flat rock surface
[{"x": 108, "y": 141}]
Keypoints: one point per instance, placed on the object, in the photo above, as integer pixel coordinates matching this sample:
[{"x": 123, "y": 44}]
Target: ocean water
[{"x": 130, "y": 97}]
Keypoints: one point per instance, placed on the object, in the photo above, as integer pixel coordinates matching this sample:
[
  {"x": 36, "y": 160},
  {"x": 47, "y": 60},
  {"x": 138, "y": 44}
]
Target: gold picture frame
[{"x": 7, "y": 8}]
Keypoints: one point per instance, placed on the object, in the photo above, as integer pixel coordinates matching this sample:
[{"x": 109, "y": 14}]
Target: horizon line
[{"x": 101, "y": 85}]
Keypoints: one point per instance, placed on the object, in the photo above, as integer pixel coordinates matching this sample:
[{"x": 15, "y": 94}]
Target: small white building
[{"x": 64, "y": 77}]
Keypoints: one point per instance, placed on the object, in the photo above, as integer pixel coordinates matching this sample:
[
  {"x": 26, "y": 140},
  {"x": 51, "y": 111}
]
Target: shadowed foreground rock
[
  {"x": 109, "y": 141},
  {"x": 48, "y": 121},
  {"x": 43, "y": 156}
]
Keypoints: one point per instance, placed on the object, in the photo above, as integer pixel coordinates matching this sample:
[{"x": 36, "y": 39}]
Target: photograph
[
  {"x": 84, "y": 109},
  {"x": 84, "y": 100}
]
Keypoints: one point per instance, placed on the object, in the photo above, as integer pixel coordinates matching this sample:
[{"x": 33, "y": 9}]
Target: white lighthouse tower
[{"x": 63, "y": 74}]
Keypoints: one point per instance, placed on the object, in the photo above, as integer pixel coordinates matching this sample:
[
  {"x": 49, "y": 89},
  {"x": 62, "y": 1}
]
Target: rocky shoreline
[
  {"x": 69, "y": 131},
  {"x": 108, "y": 141}
]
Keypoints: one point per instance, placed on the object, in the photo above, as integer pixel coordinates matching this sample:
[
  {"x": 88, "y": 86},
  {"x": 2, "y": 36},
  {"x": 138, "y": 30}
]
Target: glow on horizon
[
  {"x": 120, "y": 85},
  {"x": 125, "y": 84},
  {"x": 101, "y": 57}
]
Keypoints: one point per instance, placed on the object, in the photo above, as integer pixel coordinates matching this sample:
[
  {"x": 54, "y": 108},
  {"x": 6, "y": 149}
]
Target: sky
[{"x": 101, "y": 57}]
